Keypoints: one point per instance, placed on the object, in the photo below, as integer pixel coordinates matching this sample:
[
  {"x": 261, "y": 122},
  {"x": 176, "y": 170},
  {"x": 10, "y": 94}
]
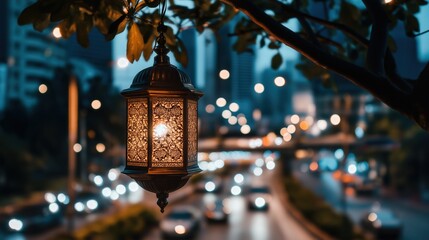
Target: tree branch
[
  {"x": 390, "y": 63},
  {"x": 377, "y": 85},
  {"x": 378, "y": 40}
]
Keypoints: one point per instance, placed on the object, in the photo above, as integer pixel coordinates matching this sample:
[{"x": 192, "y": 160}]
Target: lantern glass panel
[
  {"x": 192, "y": 132},
  {"x": 167, "y": 143},
  {"x": 137, "y": 147}
]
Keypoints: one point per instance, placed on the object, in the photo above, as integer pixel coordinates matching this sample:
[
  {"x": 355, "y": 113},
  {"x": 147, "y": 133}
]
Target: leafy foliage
[{"x": 141, "y": 17}]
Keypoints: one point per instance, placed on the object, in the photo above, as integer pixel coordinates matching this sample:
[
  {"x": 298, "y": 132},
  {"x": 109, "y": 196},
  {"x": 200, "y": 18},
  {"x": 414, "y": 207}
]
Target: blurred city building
[{"x": 30, "y": 56}]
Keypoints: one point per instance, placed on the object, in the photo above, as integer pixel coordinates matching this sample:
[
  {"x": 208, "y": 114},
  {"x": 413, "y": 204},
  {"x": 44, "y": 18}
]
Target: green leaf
[
  {"x": 29, "y": 14},
  {"x": 147, "y": 49},
  {"x": 391, "y": 43},
  {"x": 61, "y": 13},
  {"x": 273, "y": 45},
  {"x": 116, "y": 27},
  {"x": 83, "y": 27},
  {"x": 152, "y": 3},
  {"x": 262, "y": 42},
  {"x": 276, "y": 61},
  {"x": 180, "y": 52},
  {"x": 43, "y": 22},
  {"x": 400, "y": 13},
  {"x": 67, "y": 28},
  {"x": 411, "y": 25},
  {"x": 135, "y": 43},
  {"x": 412, "y": 6}
]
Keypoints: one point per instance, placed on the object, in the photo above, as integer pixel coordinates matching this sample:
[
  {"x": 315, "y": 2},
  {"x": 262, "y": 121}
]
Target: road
[
  {"x": 415, "y": 216},
  {"x": 243, "y": 224},
  {"x": 274, "y": 224}
]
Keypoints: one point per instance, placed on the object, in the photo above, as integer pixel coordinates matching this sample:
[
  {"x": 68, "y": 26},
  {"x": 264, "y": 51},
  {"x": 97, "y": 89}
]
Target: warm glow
[
  {"x": 91, "y": 134},
  {"x": 43, "y": 88},
  {"x": 304, "y": 125},
  {"x": 309, "y": 120},
  {"x": 259, "y": 88},
  {"x": 234, "y": 107},
  {"x": 283, "y": 131},
  {"x": 372, "y": 217},
  {"x": 224, "y": 74},
  {"x": 100, "y": 147},
  {"x": 77, "y": 147},
  {"x": 122, "y": 62},
  {"x": 226, "y": 114},
  {"x": 291, "y": 129},
  {"x": 232, "y": 120},
  {"x": 56, "y": 32},
  {"x": 221, "y": 102},
  {"x": 279, "y": 81},
  {"x": 242, "y": 120},
  {"x": 180, "y": 229},
  {"x": 257, "y": 114},
  {"x": 223, "y": 130},
  {"x": 160, "y": 130},
  {"x": 287, "y": 137},
  {"x": 294, "y": 119},
  {"x": 210, "y": 108},
  {"x": 322, "y": 124},
  {"x": 245, "y": 129},
  {"x": 388, "y": 1},
  {"x": 313, "y": 166},
  {"x": 96, "y": 104},
  {"x": 335, "y": 119}
]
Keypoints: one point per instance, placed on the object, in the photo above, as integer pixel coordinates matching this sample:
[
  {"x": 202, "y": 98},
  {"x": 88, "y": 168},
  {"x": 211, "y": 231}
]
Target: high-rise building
[
  {"x": 98, "y": 53},
  {"x": 31, "y": 57}
]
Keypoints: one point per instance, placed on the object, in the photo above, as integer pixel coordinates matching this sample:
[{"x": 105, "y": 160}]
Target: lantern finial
[
  {"x": 160, "y": 49},
  {"x": 162, "y": 200}
]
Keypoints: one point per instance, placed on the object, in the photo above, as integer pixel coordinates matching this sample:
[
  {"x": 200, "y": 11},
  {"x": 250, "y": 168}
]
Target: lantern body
[
  {"x": 162, "y": 129},
  {"x": 162, "y": 134}
]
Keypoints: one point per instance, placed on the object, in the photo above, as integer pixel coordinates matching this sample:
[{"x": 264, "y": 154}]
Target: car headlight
[
  {"x": 16, "y": 224},
  {"x": 180, "y": 229},
  {"x": 260, "y": 202},
  {"x": 53, "y": 207}
]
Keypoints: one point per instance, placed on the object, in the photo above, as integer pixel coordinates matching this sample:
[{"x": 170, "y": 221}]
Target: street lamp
[{"x": 162, "y": 126}]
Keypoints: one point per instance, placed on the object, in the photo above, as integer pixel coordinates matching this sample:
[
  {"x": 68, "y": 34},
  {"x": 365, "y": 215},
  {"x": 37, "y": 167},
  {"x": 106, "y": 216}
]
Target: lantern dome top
[{"x": 162, "y": 76}]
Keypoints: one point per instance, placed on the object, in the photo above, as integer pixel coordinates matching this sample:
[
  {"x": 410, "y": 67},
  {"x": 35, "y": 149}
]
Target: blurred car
[
  {"x": 90, "y": 202},
  {"x": 34, "y": 217},
  {"x": 367, "y": 187},
  {"x": 216, "y": 211},
  {"x": 181, "y": 222},
  {"x": 258, "y": 198},
  {"x": 382, "y": 223}
]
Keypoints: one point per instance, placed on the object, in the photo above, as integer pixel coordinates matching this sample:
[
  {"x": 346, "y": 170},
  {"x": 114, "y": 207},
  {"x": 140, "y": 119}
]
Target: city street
[
  {"x": 414, "y": 215},
  {"x": 243, "y": 224}
]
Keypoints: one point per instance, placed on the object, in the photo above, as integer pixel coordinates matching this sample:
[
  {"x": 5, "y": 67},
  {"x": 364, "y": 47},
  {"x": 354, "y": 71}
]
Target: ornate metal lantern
[{"x": 162, "y": 126}]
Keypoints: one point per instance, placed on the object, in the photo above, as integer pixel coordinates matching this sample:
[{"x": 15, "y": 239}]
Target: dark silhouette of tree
[{"x": 332, "y": 37}]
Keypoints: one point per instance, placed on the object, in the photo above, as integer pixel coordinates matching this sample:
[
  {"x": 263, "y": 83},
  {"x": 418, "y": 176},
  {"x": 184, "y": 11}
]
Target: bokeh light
[
  {"x": 279, "y": 81},
  {"x": 224, "y": 74},
  {"x": 259, "y": 88}
]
